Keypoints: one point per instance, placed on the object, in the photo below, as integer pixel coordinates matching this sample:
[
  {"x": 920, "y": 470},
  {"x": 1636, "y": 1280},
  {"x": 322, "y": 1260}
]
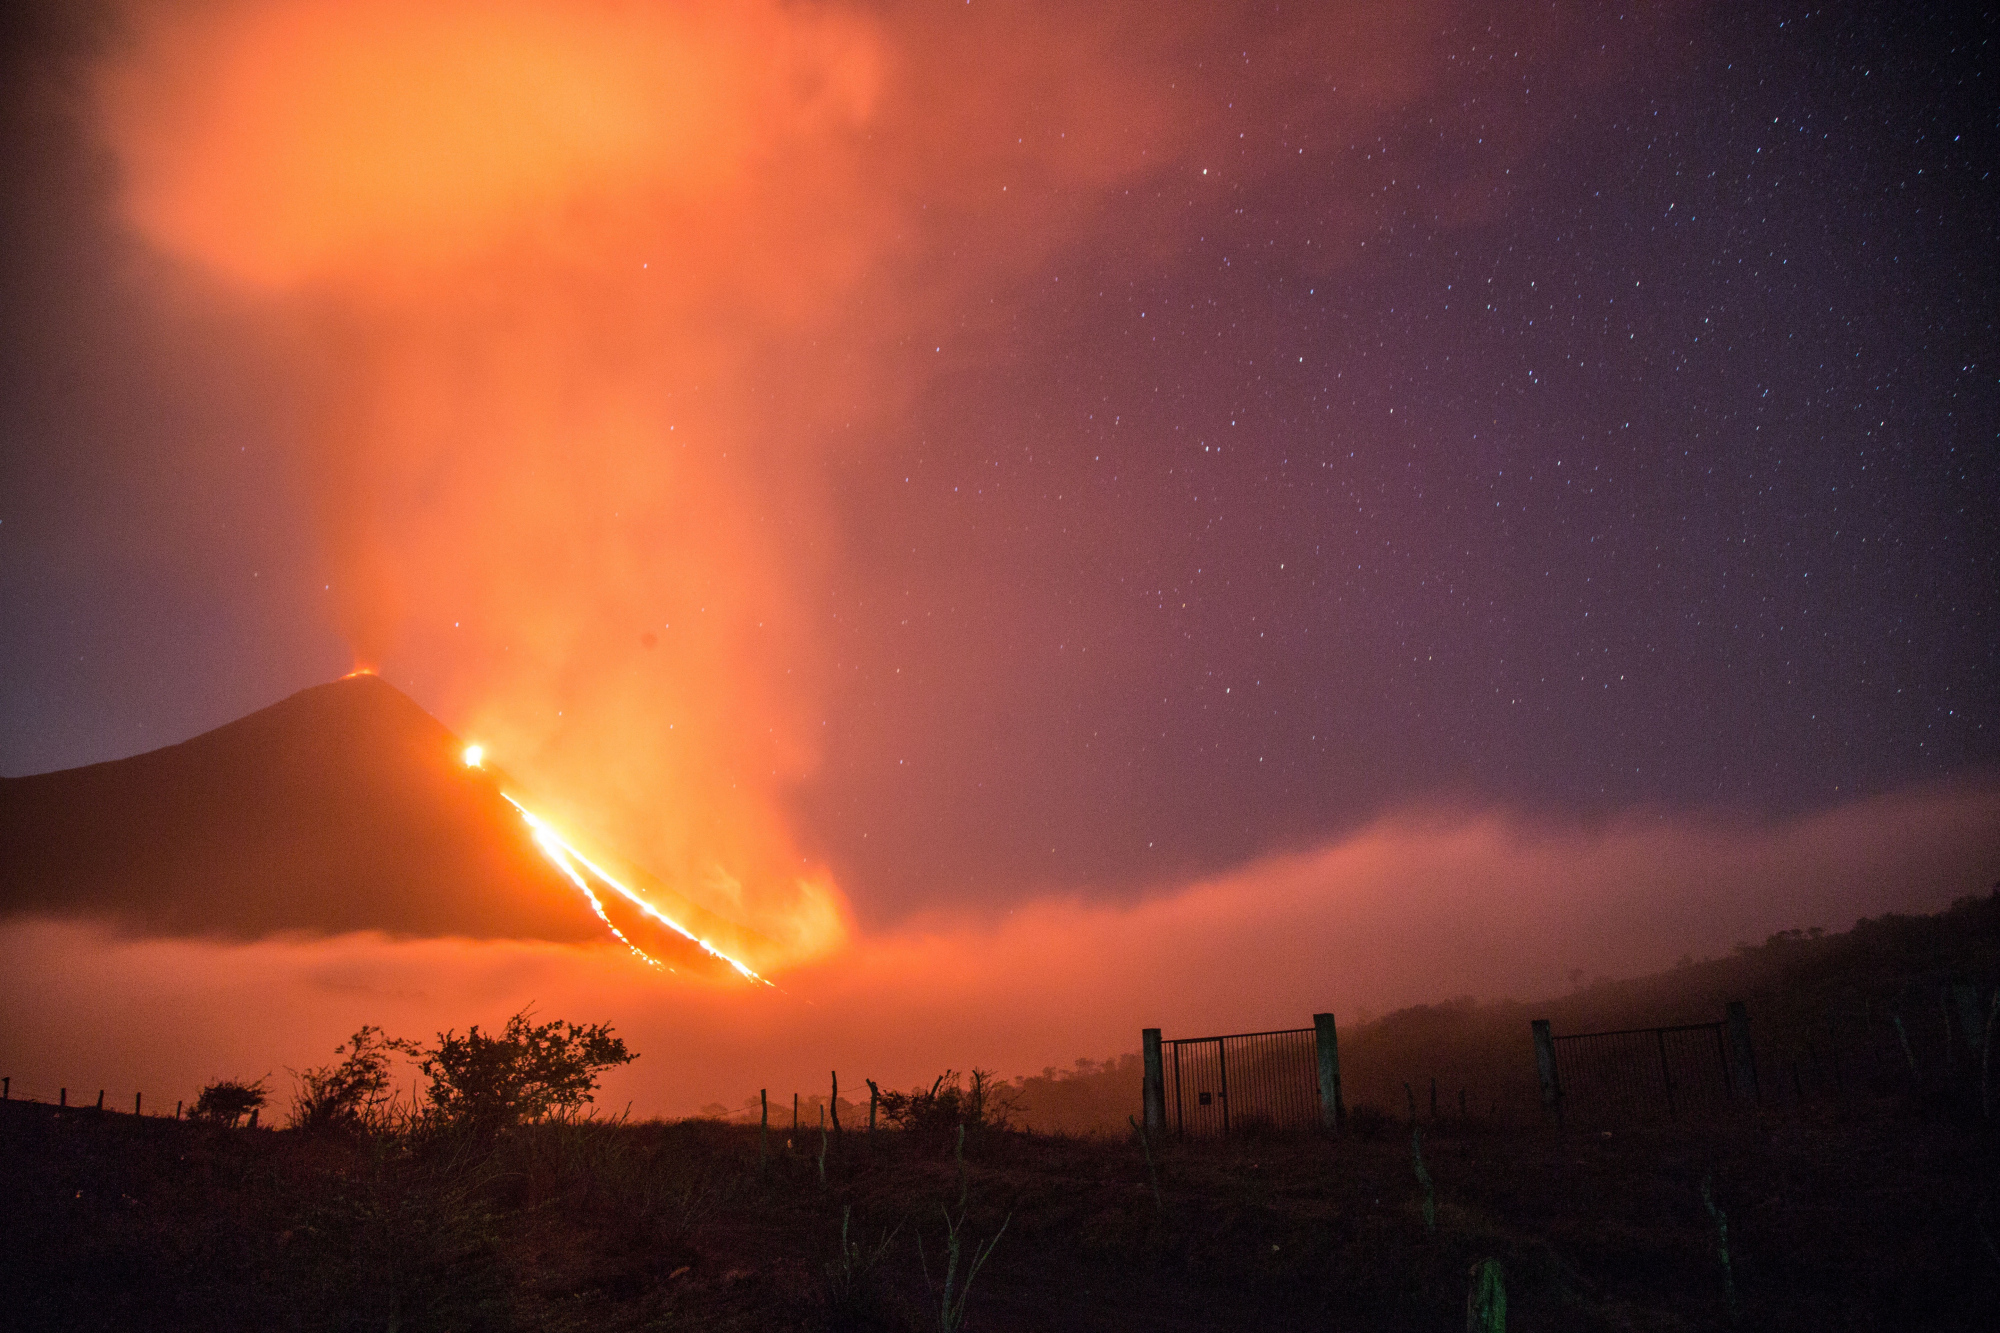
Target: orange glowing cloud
[
  {"x": 1411, "y": 910},
  {"x": 533, "y": 249},
  {"x": 314, "y": 142},
  {"x": 587, "y": 295}
]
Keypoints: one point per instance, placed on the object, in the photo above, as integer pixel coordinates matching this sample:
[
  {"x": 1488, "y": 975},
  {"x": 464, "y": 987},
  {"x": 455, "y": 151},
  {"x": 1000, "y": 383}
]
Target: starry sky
[{"x": 1585, "y": 414}]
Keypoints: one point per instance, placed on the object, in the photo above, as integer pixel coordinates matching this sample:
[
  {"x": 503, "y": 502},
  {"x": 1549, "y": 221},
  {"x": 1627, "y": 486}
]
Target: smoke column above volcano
[{"x": 588, "y": 297}]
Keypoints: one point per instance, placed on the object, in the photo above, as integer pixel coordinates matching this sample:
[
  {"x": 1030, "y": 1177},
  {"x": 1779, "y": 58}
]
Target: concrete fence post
[
  {"x": 1545, "y": 1069},
  {"x": 1155, "y": 1091},
  {"x": 1332, "y": 1111},
  {"x": 1742, "y": 1061}
]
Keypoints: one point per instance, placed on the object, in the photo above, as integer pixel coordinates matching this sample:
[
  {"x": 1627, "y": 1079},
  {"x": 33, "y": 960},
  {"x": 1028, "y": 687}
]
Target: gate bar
[{"x": 1155, "y": 1090}]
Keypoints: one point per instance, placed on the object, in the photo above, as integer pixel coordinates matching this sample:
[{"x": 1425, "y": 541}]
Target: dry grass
[{"x": 1868, "y": 1218}]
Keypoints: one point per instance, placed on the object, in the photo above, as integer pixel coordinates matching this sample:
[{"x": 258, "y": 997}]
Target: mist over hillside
[{"x": 1810, "y": 993}]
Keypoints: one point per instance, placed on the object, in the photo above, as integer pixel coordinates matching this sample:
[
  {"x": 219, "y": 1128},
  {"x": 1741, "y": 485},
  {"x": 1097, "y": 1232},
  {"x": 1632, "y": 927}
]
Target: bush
[
  {"x": 228, "y": 1100},
  {"x": 950, "y": 1102},
  {"x": 528, "y": 1072},
  {"x": 352, "y": 1094}
]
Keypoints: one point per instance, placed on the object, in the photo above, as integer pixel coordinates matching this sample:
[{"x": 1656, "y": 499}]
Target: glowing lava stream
[{"x": 565, "y": 857}]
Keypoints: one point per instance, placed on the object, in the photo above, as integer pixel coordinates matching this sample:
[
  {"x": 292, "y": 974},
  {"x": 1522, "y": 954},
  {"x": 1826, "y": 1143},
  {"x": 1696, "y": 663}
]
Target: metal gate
[
  {"x": 1641, "y": 1072},
  {"x": 1243, "y": 1082}
]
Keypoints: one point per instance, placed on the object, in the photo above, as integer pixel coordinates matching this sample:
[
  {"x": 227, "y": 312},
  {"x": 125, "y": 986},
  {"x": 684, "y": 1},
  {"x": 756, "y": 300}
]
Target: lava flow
[{"x": 565, "y": 857}]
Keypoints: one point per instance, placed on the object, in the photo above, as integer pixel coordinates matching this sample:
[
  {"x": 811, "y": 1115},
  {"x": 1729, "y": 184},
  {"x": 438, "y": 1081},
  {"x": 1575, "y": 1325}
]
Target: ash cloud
[{"x": 594, "y": 300}]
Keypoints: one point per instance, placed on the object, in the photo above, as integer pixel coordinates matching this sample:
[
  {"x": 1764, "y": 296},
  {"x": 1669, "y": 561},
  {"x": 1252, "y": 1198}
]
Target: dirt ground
[{"x": 1873, "y": 1216}]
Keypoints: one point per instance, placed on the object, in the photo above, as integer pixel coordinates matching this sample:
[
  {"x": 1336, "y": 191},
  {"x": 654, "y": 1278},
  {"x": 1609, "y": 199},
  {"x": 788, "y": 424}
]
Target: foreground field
[{"x": 1872, "y": 1216}]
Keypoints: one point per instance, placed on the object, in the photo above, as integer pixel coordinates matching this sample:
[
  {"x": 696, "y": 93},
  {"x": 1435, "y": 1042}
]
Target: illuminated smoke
[
  {"x": 583, "y": 296},
  {"x": 532, "y": 255},
  {"x": 564, "y": 856}
]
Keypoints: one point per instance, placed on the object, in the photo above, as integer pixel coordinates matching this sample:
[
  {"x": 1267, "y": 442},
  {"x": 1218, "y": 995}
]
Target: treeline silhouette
[{"x": 1893, "y": 988}]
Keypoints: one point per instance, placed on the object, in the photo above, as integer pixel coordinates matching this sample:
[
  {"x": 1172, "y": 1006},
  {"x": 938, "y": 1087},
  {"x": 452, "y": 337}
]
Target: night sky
[{"x": 1591, "y": 415}]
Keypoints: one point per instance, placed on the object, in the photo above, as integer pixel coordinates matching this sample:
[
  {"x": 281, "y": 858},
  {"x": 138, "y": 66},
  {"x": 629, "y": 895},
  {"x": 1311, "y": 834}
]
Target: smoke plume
[{"x": 590, "y": 298}]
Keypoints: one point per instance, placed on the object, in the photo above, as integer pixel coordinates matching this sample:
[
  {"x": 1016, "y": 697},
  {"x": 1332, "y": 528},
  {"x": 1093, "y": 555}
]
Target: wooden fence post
[
  {"x": 836, "y": 1101},
  {"x": 136, "y": 1097},
  {"x": 763, "y": 1127},
  {"x": 1154, "y": 1092},
  {"x": 62, "y": 1097},
  {"x": 100, "y": 1099},
  {"x": 874, "y": 1095},
  {"x": 1545, "y": 1068},
  {"x": 6, "y": 1089},
  {"x": 1332, "y": 1111},
  {"x": 1742, "y": 1061},
  {"x": 795, "y": 1114}
]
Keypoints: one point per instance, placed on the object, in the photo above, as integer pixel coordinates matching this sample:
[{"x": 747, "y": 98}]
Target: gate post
[
  {"x": 1155, "y": 1095},
  {"x": 1545, "y": 1067},
  {"x": 1331, "y": 1111},
  {"x": 1742, "y": 1062}
]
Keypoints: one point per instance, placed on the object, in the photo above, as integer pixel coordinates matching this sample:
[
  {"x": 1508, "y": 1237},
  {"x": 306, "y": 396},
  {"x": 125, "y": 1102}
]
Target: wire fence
[
  {"x": 1243, "y": 1083},
  {"x": 13, "y": 1093},
  {"x": 1933, "y": 1039}
]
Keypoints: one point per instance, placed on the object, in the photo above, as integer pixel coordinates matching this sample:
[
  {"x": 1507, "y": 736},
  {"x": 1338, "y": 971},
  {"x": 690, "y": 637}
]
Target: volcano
[{"x": 345, "y": 807}]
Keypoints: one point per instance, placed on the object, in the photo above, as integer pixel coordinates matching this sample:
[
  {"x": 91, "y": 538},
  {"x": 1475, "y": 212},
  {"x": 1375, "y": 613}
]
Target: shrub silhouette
[
  {"x": 949, "y": 1102},
  {"x": 228, "y": 1100},
  {"x": 528, "y": 1072},
  {"x": 352, "y": 1094}
]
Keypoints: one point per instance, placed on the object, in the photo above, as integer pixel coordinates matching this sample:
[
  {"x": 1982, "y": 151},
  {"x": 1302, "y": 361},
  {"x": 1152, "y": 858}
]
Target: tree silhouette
[
  {"x": 228, "y": 1100},
  {"x": 353, "y": 1093},
  {"x": 527, "y": 1072}
]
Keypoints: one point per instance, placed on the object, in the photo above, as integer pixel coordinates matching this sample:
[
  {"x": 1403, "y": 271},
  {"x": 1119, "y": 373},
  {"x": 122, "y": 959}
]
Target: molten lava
[{"x": 564, "y": 856}]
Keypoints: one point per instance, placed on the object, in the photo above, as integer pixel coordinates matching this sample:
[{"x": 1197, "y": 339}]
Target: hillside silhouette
[
  {"x": 344, "y": 807},
  {"x": 1884, "y": 997}
]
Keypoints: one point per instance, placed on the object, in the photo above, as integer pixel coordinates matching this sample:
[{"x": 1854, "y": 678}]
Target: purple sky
[{"x": 1646, "y": 463}]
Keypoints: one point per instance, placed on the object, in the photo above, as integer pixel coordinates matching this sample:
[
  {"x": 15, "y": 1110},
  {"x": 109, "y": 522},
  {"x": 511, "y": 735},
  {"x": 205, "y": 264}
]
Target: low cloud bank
[{"x": 1414, "y": 908}]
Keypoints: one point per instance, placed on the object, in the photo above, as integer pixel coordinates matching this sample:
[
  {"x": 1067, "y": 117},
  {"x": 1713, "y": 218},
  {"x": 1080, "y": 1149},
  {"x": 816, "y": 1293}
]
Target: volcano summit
[{"x": 345, "y": 807}]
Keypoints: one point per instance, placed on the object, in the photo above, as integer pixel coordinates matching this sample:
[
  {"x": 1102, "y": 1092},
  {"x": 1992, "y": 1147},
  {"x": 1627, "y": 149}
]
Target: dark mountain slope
[{"x": 343, "y": 807}]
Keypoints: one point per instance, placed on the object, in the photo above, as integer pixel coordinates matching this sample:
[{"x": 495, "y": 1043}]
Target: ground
[{"x": 1878, "y": 1214}]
